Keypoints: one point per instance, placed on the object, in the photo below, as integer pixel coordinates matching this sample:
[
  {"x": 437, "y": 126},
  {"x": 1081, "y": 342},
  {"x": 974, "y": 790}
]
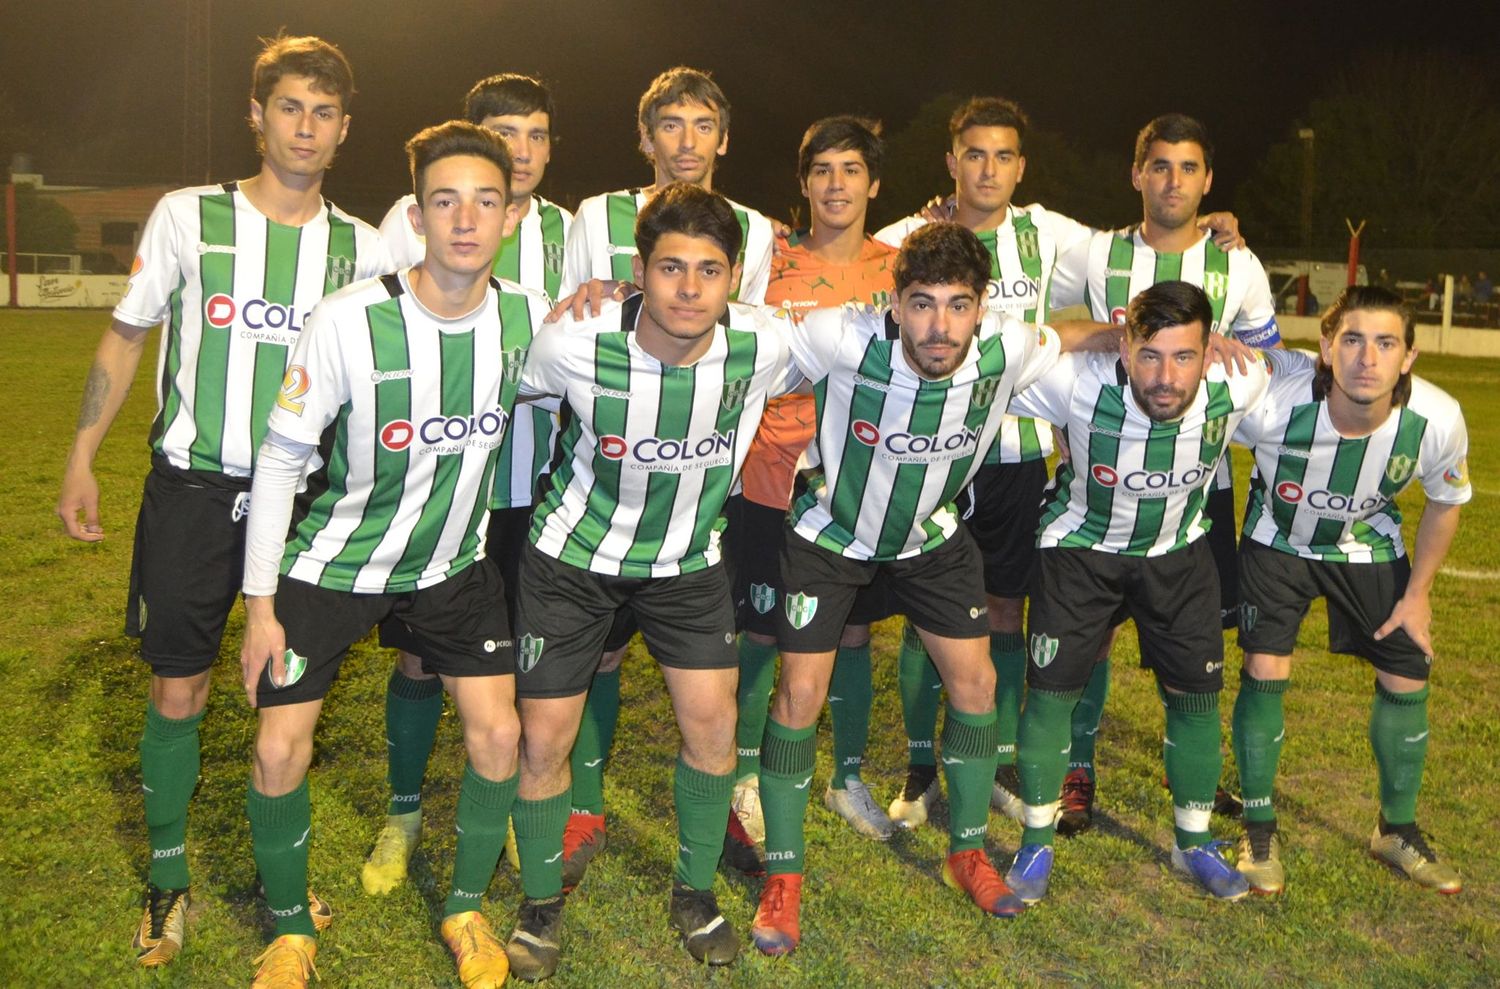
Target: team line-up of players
[{"x": 511, "y": 499}]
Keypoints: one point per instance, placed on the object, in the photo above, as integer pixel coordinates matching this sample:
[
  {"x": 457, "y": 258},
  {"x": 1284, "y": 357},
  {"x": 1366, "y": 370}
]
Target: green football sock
[
  {"x": 969, "y": 770},
  {"x": 596, "y": 734},
  {"x": 1193, "y": 761},
  {"x": 279, "y": 829},
  {"x": 1259, "y": 727},
  {"x": 1086, "y": 717},
  {"x": 483, "y": 812},
  {"x": 702, "y": 802},
  {"x": 412, "y": 711},
  {"x": 850, "y": 694},
  {"x": 539, "y": 828},
  {"x": 921, "y": 689},
  {"x": 1398, "y": 734},
  {"x": 1008, "y": 653},
  {"x": 1042, "y": 759},
  {"x": 169, "y": 773},
  {"x": 786, "y": 770},
  {"x": 757, "y": 680}
]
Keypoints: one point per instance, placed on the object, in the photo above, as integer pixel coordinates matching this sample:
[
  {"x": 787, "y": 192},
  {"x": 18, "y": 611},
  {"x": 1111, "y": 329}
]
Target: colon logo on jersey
[
  {"x": 1043, "y": 650},
  {"x": 529, "y": 652},
  {"x": 1104, "y": 475},
  {"x": 397, "y": 435},
  {"x": 1399, "y": 468},
  {"x": 340, "y": 272},
  {"x": 866, "y": 432},
  {"x": 219, "y": 311},
  {"x": 447, "y": 434},
  {"x": 293, "y": 387},
  {"x": 733, "y": 395},
  {"x": 762, "y": 598},
  {"x": 800, "y": 609},
  {"x": 983, "y": 392},
  {"x": 676, "y": 456},
  {"x": 1289, "y": 492}
]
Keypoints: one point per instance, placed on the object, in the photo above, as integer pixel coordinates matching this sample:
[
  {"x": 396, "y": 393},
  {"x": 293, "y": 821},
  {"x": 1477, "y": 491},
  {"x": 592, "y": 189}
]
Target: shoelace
[
  {"x": 285, "y": 964},
  {"x": 161, "y": 908},
  {"x": 470, "y": 945},
  {"x": 1260, "y": 842},
  {"x": 1417, "y": 839},
  {"x": 774, "y": 897},
  {"x": 1077, "y": 792},
  {"x": 985, "y": 883}
]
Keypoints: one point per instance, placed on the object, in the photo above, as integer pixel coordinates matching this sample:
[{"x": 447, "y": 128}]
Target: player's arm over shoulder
[
  {"x": 1444, "y": 455},
  {"x": 1050, "y": 396}
]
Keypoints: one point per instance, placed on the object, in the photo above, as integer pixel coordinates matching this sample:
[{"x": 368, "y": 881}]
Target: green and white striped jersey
[
  {"x": 649, "y": 452},
  {"x": 896, "y": 448},
  {"x": 1114, "y": 266},
  {"x": 1324, "y": 496},
  {"x": 232, "y": 289},
  {"x": 408, "y": 410},
  {"x": 1130, "y": 485},
  {"x": 601, "y": 244},
  {"x": 1023, "y": 252},
  {"x": 530, "y": 260},
  {"x": 532, "y": 256}
]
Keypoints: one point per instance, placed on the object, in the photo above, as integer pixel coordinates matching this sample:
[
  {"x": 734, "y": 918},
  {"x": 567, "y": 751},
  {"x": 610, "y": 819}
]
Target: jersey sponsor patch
[
  {"x": 1458, "y": 474},
  {"x": 293, "y": 387}
]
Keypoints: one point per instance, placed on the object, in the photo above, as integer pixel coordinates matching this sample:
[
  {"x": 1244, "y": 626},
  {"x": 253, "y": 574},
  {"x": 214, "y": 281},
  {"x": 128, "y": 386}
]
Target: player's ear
[
  {"x": 1135, "y": 178},
  {"x": 638, "y": 270},
  {"x": 1125, "y": 349},
  {"x": 414, "y": 217},
  {"x": 512, "y": 217},
  {"x": 735, "y": 273},
  {"x": 1208, "y": 181},
  {"x": 723, "y": 145},
  {"x": 646, "y": 148},
  {"x": 874, "y": 188},
  {"x": 257, "y": 117},
  {"x": 344, "y": 128},
  {"x": 952, "y": 160},
  {"x": 1411, "y": 358},
  {"x": 1020, "y": 169}
]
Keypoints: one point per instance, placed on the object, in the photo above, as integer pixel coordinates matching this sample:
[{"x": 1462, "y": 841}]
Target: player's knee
[
  {"x": 1005, "y": 614},
  {"x": 496, "y": 738},
  {"x": 611, "y": 660},
  {"x": 972, "y": 689},
  {"x": 1262, "y": 666},
  {"x": 179, "y": 697},
  {"x": 410, "y": 666},
  {"x": 799, "y": 696},
  {"x": 281, "y": 760}
]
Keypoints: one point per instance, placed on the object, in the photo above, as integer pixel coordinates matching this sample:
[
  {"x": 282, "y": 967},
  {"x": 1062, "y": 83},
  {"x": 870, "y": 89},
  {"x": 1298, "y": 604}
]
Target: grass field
[{"x": 73, "y": 852}]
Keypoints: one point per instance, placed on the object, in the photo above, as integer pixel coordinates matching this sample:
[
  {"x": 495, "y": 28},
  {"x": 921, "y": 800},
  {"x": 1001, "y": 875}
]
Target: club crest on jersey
[
  {"x": 293, "y": 387},
  {"x": 512, "y": 363},
  {"x": 800, "y": 609},
  {"x": 340, "y": 271},
  {"x": 296, "y": 665},
  {"x": 1026, "y": 242},
  {"x": 1213, "y": 430},
  {"x": 983, "y": 392},
  {"x": 1458, "y": 474},
  {"x": 1043, "y": 650},
  {"x": 529, "y": 652},
  {"x": 734, "y": 393},
  {"x": 1399, "y": 468},
  {"x": 552, "y": 258},
  {"x": 1215, "y": 284},
  {"x": 762, "y": 598}
]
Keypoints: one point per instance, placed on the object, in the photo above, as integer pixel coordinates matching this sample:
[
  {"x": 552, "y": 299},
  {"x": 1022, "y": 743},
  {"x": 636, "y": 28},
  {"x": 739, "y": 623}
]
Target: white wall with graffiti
[{"x": 65, "y": 291}]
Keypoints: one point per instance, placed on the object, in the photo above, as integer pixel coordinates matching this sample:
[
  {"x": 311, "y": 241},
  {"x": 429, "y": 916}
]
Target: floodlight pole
[
  {"x": 1306, "y": 136},
  {"x": 1354, "y": 233},
  {"x": 10, "y": 244}
]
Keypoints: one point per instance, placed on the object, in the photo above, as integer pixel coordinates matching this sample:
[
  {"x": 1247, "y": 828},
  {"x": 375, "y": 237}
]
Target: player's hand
[
  {"x": 1060, "y": 444},
  {"x": 1414, "y": 614},
  {"x": 80, "y": 493},
  {"x": 1229, "y": 352},
  {"x": 265, "y": 642},
  {"x": 780, "y": 230},
  {"x": 589, "y": 299},
  {"x": 938, "y": 209},
  {"x": 1225, "y": 227}
]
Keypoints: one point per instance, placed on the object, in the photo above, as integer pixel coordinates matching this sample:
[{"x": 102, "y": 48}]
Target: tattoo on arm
[{"x": 95, "y": 391}]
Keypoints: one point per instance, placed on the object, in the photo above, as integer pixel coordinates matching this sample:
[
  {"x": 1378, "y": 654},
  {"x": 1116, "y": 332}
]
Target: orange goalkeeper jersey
[{"x": 800, "y": 281}]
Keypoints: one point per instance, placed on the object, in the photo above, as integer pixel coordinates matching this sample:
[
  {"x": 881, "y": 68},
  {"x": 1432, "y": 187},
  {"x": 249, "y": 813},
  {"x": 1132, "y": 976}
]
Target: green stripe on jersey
[
  {"x": 923, "y": 419},
  {"x": 1161, "y": 453},
  {"x": 744, "y": 219},
  {"x": 619, "y": 212},
  {"x": 1348, "y": 461},
  {"x": 1104, "y": 450},
  {"x": 674, "y": 412},
  {"x": 283, "y": 244},
  {"x": 456, "y": 352},
  {"x": 1216, "y": 282},
  {"x": 516, "y": 332},
  {"x": 1117, "y": 286},
  {"x": 552, "y": 250},
  {"x": 1168, "y": 268},
  {"x": 1301, "y": 428},
  {"x": 216, "y": 275},
  {"x": 1213, "y": 436},
  {"x": 739, "y": 365},
  {"x": 865, "y": 405},
  {"x": 1398, "y": 471},
  {"x": 611, "y": 374}
]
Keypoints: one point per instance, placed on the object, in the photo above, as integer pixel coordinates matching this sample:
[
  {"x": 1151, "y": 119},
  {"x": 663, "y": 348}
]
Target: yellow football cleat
[
  {"x": 286, "y": 963},
  {"x": 386, "y": 867},
  {"x": 480, "y": 955},
  {"x": 159, "y": 937}
]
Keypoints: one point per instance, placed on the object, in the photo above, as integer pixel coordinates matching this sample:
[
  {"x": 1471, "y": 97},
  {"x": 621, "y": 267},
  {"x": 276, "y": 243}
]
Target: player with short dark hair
[
  {"x": 397, "y": 399},
  {"x": 662, "y": 397},
  {"x": 1335, "y": 444},
  {"x": 520, "y": 109},
  {"x": 1122, "y": 536},
  {"x": 230, "y": 273}
]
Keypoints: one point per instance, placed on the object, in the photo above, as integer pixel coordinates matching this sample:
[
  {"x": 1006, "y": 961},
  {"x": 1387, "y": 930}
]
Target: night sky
[{"x": 94, "y": 91}]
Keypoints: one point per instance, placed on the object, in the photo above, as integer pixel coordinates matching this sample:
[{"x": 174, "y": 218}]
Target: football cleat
[
  {"x": 746, "y": 804},
  {"x": 320, "y": 912},
  {"x": 512, "y": 851},
  {"x": 385, "y": 869},
  {"x": 159, "y": 937},
  {"x": 533, "y": 948},
  {"x": 1005, "y": 796},
  {"x": 1207, "y": 865},
  {"x": 740, "y": 851},
  {"x": 1077, "y": 803},
  {"x": 855, "y": 805},
  {"x": 776, "y": 928},
  {"x": 1030, "y": 872},
  {"x": 708, "y": 937},
  {"x": 910, "y": 810},
  {"x": 480, "y": 955},
  {"x": 286, "y": 963},
  {"x": 1259, "y": 858},
  {"x": 1405, "y": 848},
  {"x": 971, "y": 872},
  {"x": 583, "y": 838}
]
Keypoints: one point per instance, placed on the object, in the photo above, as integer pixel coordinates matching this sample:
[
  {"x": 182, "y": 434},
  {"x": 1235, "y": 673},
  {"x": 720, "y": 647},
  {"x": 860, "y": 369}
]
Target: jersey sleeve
[
  {"x": 1444, "y": 458},
  {"x": 1289, "y": 385},
  {"x": 755, "y": 277},
  {"x": 402, "y": 243},
  {"x": 788, "y": 375},
  {"x": 1067, "y": 232},
  {"x": 1071, "y": 274},
  {"x": 1048, "y": 396},
  {"x": 544, "y": 380},
  {"x": 895, "y": 234},
  {"x": 1255, "y": 324},
  {"x": 578, "y": 265},
  {"x": 316, "y": 384},
  {"x": 1040, "y": 353},
  {"x": 155, "y": 272},
  {"x": 814, "y": 341}
]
